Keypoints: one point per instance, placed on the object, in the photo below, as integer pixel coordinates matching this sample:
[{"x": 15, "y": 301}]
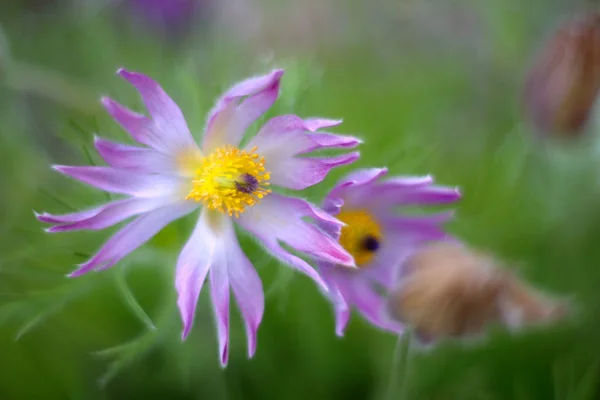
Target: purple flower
[
  {"x": 378, "y": 238},
  {"x": 171, "y": 176}
]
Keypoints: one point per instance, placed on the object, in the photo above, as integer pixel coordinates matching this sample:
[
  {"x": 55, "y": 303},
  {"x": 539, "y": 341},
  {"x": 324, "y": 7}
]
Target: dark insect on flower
[
  {"x": 450, "y": 290},
  {"x": 562, "y": 86}
]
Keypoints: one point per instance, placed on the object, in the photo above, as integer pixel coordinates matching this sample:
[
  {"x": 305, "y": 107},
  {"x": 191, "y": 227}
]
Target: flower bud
[
  {"x": 563, "y": 84},
  {"x": 450, "y": 290}
]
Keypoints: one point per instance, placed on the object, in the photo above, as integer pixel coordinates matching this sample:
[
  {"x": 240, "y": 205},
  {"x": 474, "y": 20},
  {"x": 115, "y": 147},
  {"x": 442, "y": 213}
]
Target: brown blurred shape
[
  {"x": 562, "y": 86},
  {"x": 450, "y": 290}
]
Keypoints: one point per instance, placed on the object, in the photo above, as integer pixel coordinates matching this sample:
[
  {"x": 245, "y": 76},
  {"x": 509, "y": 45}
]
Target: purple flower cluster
[{"x": 354, "y": 244}]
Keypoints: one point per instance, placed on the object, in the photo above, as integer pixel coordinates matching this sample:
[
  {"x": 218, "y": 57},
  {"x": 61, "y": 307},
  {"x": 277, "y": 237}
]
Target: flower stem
[{"x": 399, "y": 370}]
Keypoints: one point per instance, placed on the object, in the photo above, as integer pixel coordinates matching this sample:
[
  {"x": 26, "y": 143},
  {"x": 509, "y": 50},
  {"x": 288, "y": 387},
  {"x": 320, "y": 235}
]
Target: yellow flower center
[
  {"x": 361, "y": 237},
  {"x": 229, "y": 180}
]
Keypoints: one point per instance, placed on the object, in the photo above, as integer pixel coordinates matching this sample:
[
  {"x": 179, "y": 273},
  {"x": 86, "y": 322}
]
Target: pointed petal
[
  {"x": 292, "y": 136},
  {"x": 133, "y": 236},
  {"x": 247, "y": 289},
  {"x": 122, "y": 181},
  {"x": 314, "y": 124},
  {"x": 362, "y": 177},
  {"x": 67, "y": 218},
  {"x": 301, "y": 173},
  {"x": 341, "y": 308},
  {"x": 421, "y": 227},
  {"x": 280, "y": 218},
  {"x": 192, "y": 266},
  {"x": 112, "y": 213},
  {"x": 138, "y": 159},
  {"x": 166, "y": 115},
  {"x": 231, "y": 116}
]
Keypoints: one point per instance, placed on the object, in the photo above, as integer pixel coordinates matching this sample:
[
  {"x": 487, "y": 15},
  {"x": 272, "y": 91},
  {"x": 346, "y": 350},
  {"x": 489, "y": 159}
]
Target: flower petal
[
  {"x": 139, "y": 159},
  {"x": 111, "y": 214},
  {"x": 341, "y": 308},
  {"x": 133, "y": 236},
  {"x": 67, "y": 218},
  {"x": 381, "y": 198},
  {"x": 122, "y": 181},
  {"x": 290, "y": 135},
  {"x": 358, "y": 292},
  {"x": 229, "y": 119},
  {"x": 248, "y": 290},
  {"x": 219, "y": 290},
  {"x": 300, "y": 173},
  {"x": 279, "y": 218},
  {"x": 362, "y": 177},
  {"x": 192, "y": 266},
  {"x": 314, "y": 124},
  {"x": 423, "y": 227},
  {"x": 166, "y": 114}
]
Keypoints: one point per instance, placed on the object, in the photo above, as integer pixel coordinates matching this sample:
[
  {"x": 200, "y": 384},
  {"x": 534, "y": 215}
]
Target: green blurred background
[{"x": 432, "y": 86}]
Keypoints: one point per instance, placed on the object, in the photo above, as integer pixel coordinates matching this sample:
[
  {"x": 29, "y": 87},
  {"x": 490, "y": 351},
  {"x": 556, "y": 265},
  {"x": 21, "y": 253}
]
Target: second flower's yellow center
[
  {"x": 229, "y": 180},
  {"x": 361, "y": 237}
]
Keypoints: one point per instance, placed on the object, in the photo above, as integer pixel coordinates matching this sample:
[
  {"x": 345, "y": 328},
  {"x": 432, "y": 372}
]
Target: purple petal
[
  {"x": 229, "y": 119},
  {"x": 358, "y": 178},
  {"x": 358, "y": 292},
  {"x": 301, "y": 173},
  {"x": 111, "y": 214},
  {"x": 166, "y": 115},
  {"x": 133, "y": 236},
  {"x": 280, "y": 218},
  {"x": 219, "y": 290},
  {"x": 425, "y": 227},
  {"x": 248, "y": 290},
  {"x": 377, "y": 198},
  {"x": 289, "y": 135},
  {"x": 342, "y": 311},
  {"x": 138, "y": 159},
  {"x": 314, "y": 124},
  {"x": 192, "y": 266},
  {"x": 122, "y": 181},
  {"x": 66, "y": 218}
]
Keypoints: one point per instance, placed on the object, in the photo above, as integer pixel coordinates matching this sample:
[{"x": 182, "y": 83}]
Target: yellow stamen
[
  {"x": 361, "y": 237},
  {"x": 229, "y": 180}
]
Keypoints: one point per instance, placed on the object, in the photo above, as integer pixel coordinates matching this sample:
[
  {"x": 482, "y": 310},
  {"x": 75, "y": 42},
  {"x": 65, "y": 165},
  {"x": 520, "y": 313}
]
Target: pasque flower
[
  {"x": 378, "y": 237},
  {"x": 170, "y": 176}
]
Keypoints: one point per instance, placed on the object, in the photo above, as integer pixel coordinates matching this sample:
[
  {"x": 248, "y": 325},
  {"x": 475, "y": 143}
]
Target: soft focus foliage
[{"x": 431, "y": 87}]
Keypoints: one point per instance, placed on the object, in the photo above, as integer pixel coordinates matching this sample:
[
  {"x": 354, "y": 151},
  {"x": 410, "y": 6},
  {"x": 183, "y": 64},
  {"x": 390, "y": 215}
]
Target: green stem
[{"x": 399, "y": 371}]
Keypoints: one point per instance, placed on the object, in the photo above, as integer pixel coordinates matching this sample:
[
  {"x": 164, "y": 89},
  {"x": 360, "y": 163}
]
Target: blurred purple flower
[
  {"x": 378, "y": 238},
  {"x": 171, "y": 177},
  {"x": 170, "y": 16}
]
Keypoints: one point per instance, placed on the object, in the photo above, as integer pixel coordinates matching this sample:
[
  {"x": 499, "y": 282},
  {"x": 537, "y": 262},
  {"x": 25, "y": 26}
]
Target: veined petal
[
  {"x": 219, "y": 290},
  {"x": 355, "y": 179},
  {"x": 314, "y": 124},
  {"x": 111, "y": 214},
  {"x": 377, "y": 198},
  {"x": 290, "y": 135},
  {"x": 138, "y": 159},
  {"x": 192, "y": 266},
  {"x": 231, "y": 116},
  {"x": 358, "y": 292},
  {"x": 279, "y": 218},
  {"x": 341, "y": 308},
  {"x": 67, "y": 218},
  {"x": 133, "y": 236},
  {"x": 123, "y": 181},
  {"x": 424, "y": 227},
  {"x": 299, "y": 173},
  {"x": 141, "y": 128},
  {"x": 247, "y": 289},
  {"x": 165, "y": 113}
]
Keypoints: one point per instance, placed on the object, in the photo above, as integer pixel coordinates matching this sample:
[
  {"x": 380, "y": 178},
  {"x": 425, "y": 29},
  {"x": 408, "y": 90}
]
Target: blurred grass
[{"x": 420, "y": 110}]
